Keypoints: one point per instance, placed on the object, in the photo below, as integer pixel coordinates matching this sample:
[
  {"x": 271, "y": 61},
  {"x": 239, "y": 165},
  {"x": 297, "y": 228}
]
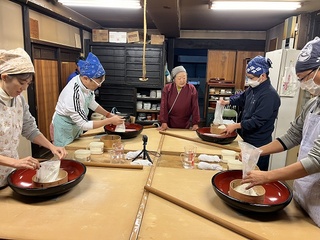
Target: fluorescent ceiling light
[
  {"x": 254, "y": 5},
  {"x": 102, "y": 3}
]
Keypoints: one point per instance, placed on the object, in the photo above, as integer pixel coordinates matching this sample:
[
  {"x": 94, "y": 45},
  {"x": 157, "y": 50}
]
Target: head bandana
[
  {"x": 15, "y": 61},
  {"x": 258, "y": 65},
  {"x": 176, "y": 70},
  {"x": 91, "y": 67},
  {"x": 309, "y": 57}
]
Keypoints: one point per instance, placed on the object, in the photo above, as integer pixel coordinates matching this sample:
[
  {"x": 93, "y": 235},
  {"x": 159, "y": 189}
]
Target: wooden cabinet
[
  {"x": 123, "y": 88},
  {"x": 214, "y": 92},
  {"x": 221, "y": 64},
  {"x": 148, "y": 105},
  {"x": 123, "y": 63},
  {"x": 243, "y": 57}
]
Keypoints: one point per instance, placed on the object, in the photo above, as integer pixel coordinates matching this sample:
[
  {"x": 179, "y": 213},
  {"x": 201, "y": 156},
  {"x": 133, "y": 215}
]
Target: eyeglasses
[
  {"x": 98, "y": 84},
  {"x": 303, "y": 78}
]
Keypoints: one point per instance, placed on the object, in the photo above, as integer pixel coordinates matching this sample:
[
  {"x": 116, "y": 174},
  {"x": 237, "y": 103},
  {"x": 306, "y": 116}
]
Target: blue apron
[{"x": 65, "y": 130}]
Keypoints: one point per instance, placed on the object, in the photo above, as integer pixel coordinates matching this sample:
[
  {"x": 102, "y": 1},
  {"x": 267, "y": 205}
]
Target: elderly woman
[
  {"x": 16, "y": 74},
  {"x": 70, "y": 118},
  {"x": 305, "y": 130},
  {"x": 179, "y": 103}
]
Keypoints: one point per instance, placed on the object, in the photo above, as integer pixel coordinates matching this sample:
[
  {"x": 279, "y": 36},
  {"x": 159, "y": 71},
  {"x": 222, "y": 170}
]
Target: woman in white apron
[
  {"x": 70, "y": 118},
  {"x": 16, "y": 74},
  {"x": 305, "y": 130}
]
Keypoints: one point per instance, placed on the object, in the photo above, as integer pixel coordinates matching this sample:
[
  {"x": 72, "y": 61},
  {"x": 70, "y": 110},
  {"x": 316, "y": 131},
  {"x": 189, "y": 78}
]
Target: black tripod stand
[{"x": 144, "y": 151}]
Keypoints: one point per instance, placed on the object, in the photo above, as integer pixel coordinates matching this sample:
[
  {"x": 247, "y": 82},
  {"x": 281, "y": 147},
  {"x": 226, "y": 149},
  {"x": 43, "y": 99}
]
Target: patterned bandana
[
  {"x": 91, "y": 67},
  {"x": 309, "y": 57},
  {"x": 15, "y": 61},
  {"x": 258, "y": 65}
]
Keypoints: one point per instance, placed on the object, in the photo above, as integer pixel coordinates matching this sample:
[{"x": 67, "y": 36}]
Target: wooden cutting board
[{"x": 169, "y": 221}]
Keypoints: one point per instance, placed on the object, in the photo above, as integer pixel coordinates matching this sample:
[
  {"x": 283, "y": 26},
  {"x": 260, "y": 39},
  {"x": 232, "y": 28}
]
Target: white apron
[
  {"x": 306, "y": 190},
  {"x": 10, "y": 131}
]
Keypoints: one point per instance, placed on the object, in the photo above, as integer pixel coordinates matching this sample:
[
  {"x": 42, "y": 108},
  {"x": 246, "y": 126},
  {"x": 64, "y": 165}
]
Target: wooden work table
[{"x": 111, "y": 203}]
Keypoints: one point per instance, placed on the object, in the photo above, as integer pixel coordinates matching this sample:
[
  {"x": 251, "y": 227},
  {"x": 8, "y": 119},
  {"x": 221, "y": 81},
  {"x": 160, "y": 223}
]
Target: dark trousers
[{"x": 263, "y": 163}]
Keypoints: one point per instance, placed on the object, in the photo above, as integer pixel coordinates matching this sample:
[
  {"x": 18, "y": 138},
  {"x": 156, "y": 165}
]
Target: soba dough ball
[
  {"x": 242, "y": 189},
  {"x": 222, "y": 126}
]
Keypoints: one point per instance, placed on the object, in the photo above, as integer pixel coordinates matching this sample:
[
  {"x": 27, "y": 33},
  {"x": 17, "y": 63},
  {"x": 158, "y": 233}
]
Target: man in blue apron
[
  {"x": 16, "y": 74},
  {"x": 70, "y": 118},
  {"x": 305, "y": 130}
]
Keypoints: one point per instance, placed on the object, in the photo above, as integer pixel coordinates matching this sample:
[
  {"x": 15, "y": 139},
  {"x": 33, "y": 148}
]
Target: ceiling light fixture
[
  {"x": 102, "y": 3},
  {"x": 254, "y": 5}
]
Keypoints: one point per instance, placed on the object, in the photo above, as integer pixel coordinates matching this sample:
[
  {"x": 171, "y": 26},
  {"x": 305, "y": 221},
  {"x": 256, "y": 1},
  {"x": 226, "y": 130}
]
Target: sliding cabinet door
[{"x": 47, "y": 92}]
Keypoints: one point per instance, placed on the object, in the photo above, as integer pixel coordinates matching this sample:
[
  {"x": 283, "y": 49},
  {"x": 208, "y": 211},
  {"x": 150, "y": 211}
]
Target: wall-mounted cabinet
[{"x": 221, "y": 65}]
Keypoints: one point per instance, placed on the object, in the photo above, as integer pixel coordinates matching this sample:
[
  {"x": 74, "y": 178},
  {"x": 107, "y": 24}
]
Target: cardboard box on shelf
[
  {"x": 157, "y": 39},
  {"x": 117, "y": 37},
  {"x": 135, "y": 36},
  {"x": 100, "y": 35}
]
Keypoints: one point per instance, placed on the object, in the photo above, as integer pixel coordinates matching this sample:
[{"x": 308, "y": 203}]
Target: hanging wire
[{"x": 144, "y": 69}]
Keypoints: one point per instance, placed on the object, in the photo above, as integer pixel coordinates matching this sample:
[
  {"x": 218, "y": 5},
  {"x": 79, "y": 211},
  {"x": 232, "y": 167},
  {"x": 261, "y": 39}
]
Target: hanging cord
[{"x": 144, "y": 70}]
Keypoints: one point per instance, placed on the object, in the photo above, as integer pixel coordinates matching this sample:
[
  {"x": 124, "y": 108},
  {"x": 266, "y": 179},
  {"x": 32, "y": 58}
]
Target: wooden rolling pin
[
  {"x": 202, "y": 213},
  {"x": 201, "y": 141},
  {"x": 111, "y": 165}
]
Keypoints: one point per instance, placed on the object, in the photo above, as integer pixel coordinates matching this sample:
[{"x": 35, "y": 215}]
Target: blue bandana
[
  {"x": 309, "y": 57},
  {"x": 259, "y": 65},
  {"x": 91, "y": 67}
]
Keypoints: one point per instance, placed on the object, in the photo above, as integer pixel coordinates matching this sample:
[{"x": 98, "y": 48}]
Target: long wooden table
[{"x": 112, "y": 203}]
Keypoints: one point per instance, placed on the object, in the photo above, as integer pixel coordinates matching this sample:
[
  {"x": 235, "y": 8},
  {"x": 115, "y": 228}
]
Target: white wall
[
  {"x": 54, "y": 31},
  {"x": 11, "y": 18}
]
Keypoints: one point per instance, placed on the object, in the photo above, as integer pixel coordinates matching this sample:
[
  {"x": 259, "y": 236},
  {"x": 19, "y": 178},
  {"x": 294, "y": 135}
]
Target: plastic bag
[
  {"x": 218, "y": 114},
  {"x": 120, "y": 128},
  {"x": 289, "y": 84},
  {"x": 48, "y": 171},
  {"x": 250, "y": 156}
]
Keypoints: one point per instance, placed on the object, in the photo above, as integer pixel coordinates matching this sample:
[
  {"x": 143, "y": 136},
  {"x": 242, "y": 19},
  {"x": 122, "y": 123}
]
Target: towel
[
  {"x": 209, "y": 158},
  {"x": 141, "y": 162},
  {"x": 132, "y": 155},
  {"x": 208, "y": 166}
]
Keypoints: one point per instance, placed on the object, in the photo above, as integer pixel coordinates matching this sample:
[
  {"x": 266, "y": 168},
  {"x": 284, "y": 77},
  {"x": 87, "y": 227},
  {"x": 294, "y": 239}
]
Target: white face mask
[
  {"x": 310, "y": 86},
  {"x": 253, "y": 83}
]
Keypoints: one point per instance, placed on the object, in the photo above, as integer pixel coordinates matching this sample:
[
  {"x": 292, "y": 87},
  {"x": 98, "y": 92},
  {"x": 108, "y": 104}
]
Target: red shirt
[{"x": 184, "y": 111}]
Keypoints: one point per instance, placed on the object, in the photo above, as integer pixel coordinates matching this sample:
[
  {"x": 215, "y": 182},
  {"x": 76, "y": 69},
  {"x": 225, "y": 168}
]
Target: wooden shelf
[
  {"x": 148, "y": 111},
  {"x": 148, "y": 99}
]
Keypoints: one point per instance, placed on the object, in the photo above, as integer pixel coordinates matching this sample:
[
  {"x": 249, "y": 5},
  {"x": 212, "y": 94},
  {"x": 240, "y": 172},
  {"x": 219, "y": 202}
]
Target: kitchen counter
[{"x": 110, "y": 203}]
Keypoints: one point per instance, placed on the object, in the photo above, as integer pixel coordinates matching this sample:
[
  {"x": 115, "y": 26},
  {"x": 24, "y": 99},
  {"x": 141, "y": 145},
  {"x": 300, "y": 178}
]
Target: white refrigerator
[{"x": 283, "y": 62}]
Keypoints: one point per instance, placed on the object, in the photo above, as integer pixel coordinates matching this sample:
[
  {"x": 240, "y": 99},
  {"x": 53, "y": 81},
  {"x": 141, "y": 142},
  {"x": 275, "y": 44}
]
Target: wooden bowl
[
  {"x": 205, "y": 135},
  {"x": 61, "y": 179},
  {"x": 109, "y": 140},
  {"x": 20, "y": 180},
  {"x": 216, "y": 130},
  {"x": 278, "y": 194},
  {"x": 132, "y": 130},
  {"x": 259, "y": 190}
]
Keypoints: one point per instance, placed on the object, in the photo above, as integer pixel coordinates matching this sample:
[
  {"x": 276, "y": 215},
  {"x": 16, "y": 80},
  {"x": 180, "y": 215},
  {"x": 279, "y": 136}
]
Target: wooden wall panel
[
  {"x": 47, "y": 92},
  {"x": 221, "y": 64},
  {"x": 242, "y": 59},
  {"x": 66, "y": 69}
]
